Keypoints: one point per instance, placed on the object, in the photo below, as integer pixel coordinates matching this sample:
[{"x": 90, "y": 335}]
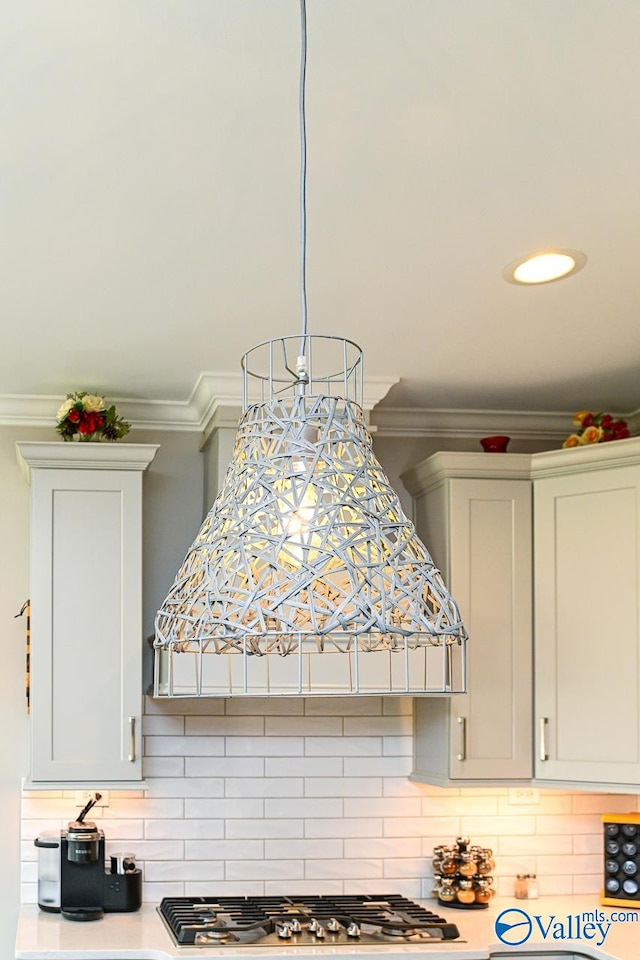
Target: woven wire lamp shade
[{"x": 306, "y": 572}]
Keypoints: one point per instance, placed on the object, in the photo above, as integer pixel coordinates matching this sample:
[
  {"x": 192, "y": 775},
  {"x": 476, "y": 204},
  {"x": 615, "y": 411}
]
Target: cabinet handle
[
  {"x": 132, "y": 739},
  {"x": 543, "y": 738},
  {"x": 462, "y": 724}
]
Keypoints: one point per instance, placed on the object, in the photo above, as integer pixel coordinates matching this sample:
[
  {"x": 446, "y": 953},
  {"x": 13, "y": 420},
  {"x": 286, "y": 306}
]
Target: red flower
[
  {"x": 607, "y": 420},
  {"x": 73, "y": 415},
  {"x": 588, "y": 420}
]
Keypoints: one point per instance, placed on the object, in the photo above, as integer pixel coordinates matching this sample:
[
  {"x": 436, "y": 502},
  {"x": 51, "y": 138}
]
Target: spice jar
[
  {"x": 483, "y": 891},
  {"x": 448, "y": 867},
  {"x": 526, "y": 887},
  {"x": 485, "y": 863},
  {"x": 466, "y": 893},
  {"x": 447, "y": 890},
  {"x": 467, "y": 866}
]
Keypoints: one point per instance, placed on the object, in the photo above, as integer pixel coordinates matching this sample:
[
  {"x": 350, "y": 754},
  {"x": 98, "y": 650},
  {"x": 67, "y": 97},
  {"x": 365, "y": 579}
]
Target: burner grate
[{"x": 237, "y": 920}]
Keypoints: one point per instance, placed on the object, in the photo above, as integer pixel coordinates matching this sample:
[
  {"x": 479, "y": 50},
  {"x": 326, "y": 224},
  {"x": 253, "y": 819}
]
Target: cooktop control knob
[
  {"x": 320, "y": 932},
  {"x": 295, "y": 925},
  {"x": 284, "y": 931},
  {"x": 333, "y": 926},
  {"x": 313, "y": 925},
  {"x": 353, "y": 930}
]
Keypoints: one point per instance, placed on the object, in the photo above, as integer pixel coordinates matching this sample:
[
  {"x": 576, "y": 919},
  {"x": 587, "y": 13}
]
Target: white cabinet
[
  {"x": 86, "y": 609},
  {"x": 473, "y": 511},
  {"x": 587, "y": 615}
]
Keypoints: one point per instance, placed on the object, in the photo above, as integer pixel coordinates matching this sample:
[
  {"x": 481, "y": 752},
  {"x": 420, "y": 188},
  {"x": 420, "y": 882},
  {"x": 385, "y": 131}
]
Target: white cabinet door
[
  {"x": 479, "y": 531},
  {"x": 86, "y": 610},
  {"x": 587, "y": 613}
]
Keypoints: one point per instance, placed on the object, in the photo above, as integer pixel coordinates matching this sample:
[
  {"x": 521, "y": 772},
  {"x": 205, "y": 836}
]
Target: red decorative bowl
[{"x": 495, "y": 444}]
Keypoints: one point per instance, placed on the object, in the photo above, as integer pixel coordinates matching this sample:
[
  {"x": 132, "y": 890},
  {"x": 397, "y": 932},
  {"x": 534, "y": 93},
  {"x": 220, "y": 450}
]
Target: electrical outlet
[
  {"x": 524, "y": 795},
  {"x": 83, "y": 797}
]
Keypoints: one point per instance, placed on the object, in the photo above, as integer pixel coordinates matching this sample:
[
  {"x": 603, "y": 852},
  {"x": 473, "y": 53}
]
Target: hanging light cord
[{"x": 303, "y": 177}]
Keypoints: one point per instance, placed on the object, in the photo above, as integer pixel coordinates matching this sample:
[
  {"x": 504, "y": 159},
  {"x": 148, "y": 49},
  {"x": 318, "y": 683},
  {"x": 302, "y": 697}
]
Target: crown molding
[
  {"x": 520, "y": 424},
  {"x": 216, "y": 401},
  {"x": 35, "y": 455}
]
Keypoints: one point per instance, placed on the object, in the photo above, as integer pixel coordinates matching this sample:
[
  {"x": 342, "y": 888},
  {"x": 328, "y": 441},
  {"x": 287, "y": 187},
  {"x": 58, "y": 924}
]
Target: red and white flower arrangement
[
  {"x": 86, "y": 416},
  {"x": 596, "y": 428}
]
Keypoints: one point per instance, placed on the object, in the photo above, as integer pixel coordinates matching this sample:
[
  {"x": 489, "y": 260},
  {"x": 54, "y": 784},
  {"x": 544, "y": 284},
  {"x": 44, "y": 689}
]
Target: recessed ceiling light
[{"x": 544, "y": 267}]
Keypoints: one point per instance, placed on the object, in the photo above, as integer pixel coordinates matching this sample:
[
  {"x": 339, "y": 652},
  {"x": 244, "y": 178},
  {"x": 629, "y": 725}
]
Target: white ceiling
[{"x": 149, "y": 165}]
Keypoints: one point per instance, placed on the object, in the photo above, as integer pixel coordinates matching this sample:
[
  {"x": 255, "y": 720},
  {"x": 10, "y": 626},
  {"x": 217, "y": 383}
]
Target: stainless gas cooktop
[{"x": 302, "y": 921}]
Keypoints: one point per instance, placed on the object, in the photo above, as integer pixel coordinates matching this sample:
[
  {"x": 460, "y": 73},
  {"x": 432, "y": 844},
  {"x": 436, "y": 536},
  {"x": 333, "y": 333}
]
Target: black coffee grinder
[{"x": 79, "y": 888}]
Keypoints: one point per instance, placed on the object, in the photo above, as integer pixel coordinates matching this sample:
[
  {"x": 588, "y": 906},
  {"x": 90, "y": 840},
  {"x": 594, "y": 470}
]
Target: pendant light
[{"x": 306, "y": 577}]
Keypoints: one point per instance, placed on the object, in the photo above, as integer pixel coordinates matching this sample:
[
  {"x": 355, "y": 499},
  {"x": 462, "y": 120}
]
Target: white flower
[
  {"x": 92, "y": 403},
  {"x": 64, "y": 410}
]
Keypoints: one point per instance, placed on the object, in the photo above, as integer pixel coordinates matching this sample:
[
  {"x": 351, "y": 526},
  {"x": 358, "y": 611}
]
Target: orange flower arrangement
[{"x": 596, "y": 428}]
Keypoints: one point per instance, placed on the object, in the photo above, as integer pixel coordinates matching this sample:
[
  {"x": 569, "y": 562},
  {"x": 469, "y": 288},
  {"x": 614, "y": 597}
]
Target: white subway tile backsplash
[
  {"x": 303, "y": 766},
  {"x": 220, "y": 809},
  {"x": 168, "y": 726},
  {"x": 397, "y": 746},
  {"x": 224, "y": 767},
  {"x": 379, "y": 766},
  {"x": 325, "y": 807},
  {"x": 268, "y": 746},
  {"x": 444, "y": 828},
  {"x": 397, "y": 706},
  {"x": 154, "y": 809},
  {"x": 265, "y": 787},
  {"x": 265, "y": 707},
  {"x": 459, "y": 806},
  {"x": 382, "y": 807},
  {"x": 233, "y": 785},
  {"x": 378, "y": 726},
  {"x": 558, "y": 824},
  {"x": 304, "y": 849},
  {"x": 247, "y": 829},
  {"x": 401, "y": 787},
  {"x": 124, "y": 829},
  {"x": 184, "y": 829},
  {"x": 184, "y": 746},
  {"x": 343, "y": 869},
  {"x": 588, "y": 883},
  {"x": 224, "y": 726},
  {"x": 475, "y": 825},
  {"x": 163, "y": 767},
  {"x": 587, "y": 843},
  {"x": 405, "y": 868},
  {"x": 265, "y": 869},
  {"x": 29, "y": 892},
  {"x": 186, "y": 787},
  {"x": 343, "y": 706},
  {"x": 516, "y": 846},
  {"x": 363, "y": 827},
  {"x": 343, "y": 787},
  {"x": 154, "y": 892},
  {"x": 223, "y": 849},
  {"x": 304, "y": 727},
  {"x": 347, "y": 747},
  {"x": 184, "y": 870},
  {"x": 580, "y": 863},
  {"x": 224, "y": 888},
  {"x": 301, "y": 887},
  {"x": 384, "y": 848},
  {"x": 184, "y": 707},
  {"x": 602, "y": 803}
]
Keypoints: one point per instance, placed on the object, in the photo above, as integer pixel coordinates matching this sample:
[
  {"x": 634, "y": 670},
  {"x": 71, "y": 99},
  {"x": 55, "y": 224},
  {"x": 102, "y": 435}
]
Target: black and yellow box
[{"x": 621, "y": 860}]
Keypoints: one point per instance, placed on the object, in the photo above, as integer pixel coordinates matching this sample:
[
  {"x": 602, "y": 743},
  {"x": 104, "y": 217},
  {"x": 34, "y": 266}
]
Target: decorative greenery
[
  {"x": 596, "y": 428},
  {"x": 88, "y": 417}
]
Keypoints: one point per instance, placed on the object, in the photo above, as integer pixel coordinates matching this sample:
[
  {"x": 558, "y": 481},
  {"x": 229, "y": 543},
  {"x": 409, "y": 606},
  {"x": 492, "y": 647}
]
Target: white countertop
[{"x": 143, "y": 936}]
